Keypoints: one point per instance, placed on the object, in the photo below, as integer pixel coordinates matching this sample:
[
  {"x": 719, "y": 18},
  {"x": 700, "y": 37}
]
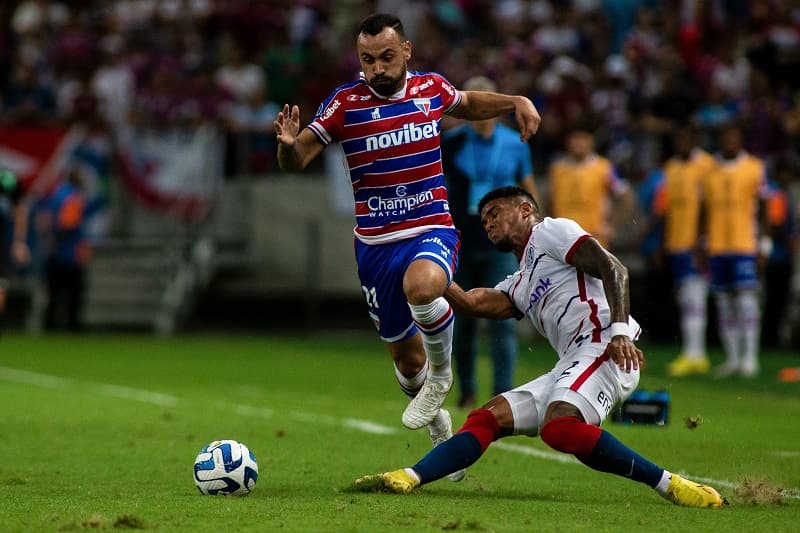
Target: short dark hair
[
  {"x": 374, "y": 24},
  {"x": 510, "y": 191}
]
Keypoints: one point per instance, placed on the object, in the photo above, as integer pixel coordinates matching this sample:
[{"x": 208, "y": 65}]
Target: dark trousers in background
[
  {"x": 777, "y": 289},
  {"x": 65, "y": 284},
  {"x": 484, "y": 269}
]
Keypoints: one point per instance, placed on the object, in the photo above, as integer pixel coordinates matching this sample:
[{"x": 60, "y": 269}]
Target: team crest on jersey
[
  {"x": 529, "y": 257},
  {"x": 423, "y": 104}
]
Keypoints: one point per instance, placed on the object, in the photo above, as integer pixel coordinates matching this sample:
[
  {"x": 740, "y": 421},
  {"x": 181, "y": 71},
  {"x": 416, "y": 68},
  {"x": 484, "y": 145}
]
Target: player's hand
[
  {"x": 287, "y": 125},
  {"x": 625, "y": 354},
  {"x": 528, "y": 118}
]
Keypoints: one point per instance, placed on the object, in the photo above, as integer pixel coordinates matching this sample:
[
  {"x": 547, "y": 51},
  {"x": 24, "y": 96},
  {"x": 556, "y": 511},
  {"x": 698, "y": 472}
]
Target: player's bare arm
[
  {"x": 480, "y": 302},
  {"x": 295, "y": 148},
  {"x": 593, "y": 259},
  {"x": 480, "y": 105}
]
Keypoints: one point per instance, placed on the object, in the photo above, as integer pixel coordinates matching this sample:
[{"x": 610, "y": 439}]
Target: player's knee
[
  {"x": 423, "y": 282},
  {"x": 570, "y": 434},
  {"x": 483, "y": 425},
  {"x": 419, "y": 293}
]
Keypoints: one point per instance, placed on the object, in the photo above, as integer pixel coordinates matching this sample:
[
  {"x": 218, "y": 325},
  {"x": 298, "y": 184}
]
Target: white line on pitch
[
  {"x": 107, "y": 389},
  {"x": 140, "y": 395},
  {"x": 366, "y": 426},
  {"x": 32, "y": 378}
]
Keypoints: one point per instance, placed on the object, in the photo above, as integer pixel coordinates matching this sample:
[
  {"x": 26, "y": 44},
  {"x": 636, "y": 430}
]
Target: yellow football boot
[
  {"x": 687, "y": 366},
  {"x": 398, "y": 481},
  {"x": 690, "y": 494}
]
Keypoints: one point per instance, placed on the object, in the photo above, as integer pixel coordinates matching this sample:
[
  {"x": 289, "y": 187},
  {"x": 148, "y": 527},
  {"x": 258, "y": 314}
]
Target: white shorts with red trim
[{"x": 587, "y": 379}]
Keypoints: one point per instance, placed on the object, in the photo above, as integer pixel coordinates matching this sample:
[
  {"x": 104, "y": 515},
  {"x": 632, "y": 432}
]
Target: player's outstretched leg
[
  {"x": 440, "y": 430},
  {"x": 600, "y": 450},
  {"x": 455, "y": 454},
  {"x": 435, "y": 322}
]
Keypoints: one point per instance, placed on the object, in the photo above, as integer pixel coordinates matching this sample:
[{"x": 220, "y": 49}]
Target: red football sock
[
  {"x": 482, "y": 424},
  {"x": 570, "y": 434}
]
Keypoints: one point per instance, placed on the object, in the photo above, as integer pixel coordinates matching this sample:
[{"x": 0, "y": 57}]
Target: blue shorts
[
  {"x": 731, "y": 272},
  {"x": 682, "y": 266},
  {"x": 381, "y": 268}
]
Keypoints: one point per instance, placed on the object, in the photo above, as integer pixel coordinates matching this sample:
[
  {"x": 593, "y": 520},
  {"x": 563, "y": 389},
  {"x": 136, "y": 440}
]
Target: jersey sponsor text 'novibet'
[{"x": 409, "y": 133}]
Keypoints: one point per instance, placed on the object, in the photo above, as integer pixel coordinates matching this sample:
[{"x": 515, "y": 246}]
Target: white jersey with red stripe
[
  {"x": 392, "y": 146},
  {"x": 566, "y": 305}
]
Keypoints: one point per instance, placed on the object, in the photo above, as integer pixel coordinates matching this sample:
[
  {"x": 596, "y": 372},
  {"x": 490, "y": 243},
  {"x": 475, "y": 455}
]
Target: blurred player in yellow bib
[
  {"x": 677, "y": 203},
  {"x": 583, "y": 186},
  {"x": 734, "y": 194}
]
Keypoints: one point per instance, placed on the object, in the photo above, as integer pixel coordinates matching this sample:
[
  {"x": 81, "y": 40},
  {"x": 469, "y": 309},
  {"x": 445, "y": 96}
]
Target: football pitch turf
[{"x": 101, "y": 432}]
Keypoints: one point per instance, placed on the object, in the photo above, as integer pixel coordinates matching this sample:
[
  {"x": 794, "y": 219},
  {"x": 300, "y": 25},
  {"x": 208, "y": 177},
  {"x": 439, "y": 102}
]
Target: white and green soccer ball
[{"x": 225, "y": 467}]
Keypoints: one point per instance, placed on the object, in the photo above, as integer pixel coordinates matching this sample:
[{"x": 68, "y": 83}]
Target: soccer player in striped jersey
[
  {"x": 677, "y": 203},
  {"x": 734, "y": 197},
  {"x": 576, "y": 295},
  {"x": 388, "y": 123}
]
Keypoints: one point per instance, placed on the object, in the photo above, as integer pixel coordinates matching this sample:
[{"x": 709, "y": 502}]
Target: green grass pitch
[{"x": 101, "y": 432}]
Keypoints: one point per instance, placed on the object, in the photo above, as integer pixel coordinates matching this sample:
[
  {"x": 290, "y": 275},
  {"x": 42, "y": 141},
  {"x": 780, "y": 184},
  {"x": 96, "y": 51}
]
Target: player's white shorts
[{"x": 587, "y": 378}]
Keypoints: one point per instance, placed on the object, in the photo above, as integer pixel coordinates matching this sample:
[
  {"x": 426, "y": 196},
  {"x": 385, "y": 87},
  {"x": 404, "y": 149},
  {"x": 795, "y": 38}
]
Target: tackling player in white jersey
[{"x": 576, "y": 294}]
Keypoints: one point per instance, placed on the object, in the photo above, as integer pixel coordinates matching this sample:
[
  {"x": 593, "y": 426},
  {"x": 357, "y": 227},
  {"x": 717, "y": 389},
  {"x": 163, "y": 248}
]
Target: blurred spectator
[
  {"x": 733, "y": 196},
  {"x": 251, "y": 123},
  {"x": 779, "y": 264},
  {"x": 678, "y": 203},
  {"x": 67, "y": 255},
  {"x": 718, "y": 110},
  {"x": 238, "y": 77},
  {"x": 14, "y": 224},
  {"x": 28, "y": 100},
  {"x": 113, "y": 84},
  {"x": 585, "y": 187}
]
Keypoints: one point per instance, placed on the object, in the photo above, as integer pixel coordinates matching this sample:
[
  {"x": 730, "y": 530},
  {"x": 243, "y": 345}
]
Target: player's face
[
  {"x": 580, "y": 144},
  {"x": 383, "y": 60},
  {"x": 501, "y": 219},
  {"x": 731, "y": 142},
  {"x": 684, "y": 142}
]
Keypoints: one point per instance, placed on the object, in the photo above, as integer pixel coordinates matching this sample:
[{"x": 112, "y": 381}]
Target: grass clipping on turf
[{"x": 759, "y": 492}]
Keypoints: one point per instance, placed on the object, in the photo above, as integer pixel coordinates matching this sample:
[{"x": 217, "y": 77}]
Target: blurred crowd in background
[
  {"x": 632, "y": 71},
  {"x": 631, "y": 67}
]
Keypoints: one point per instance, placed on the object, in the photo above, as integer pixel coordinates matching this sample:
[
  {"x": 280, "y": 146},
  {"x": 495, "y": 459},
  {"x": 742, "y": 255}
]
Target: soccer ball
[{"x": 225, "y": 467}]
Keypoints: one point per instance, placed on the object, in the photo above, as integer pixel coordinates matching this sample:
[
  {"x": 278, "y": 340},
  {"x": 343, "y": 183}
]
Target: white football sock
[
  {"x": 749, "y": 314},
  {"x": 692, "y": 297},
  {"x": 435, "y": 322},
  {"x": 663, "y": 484},
  {"x": 410, "y": 386},
  {"x": 728, "y": 328}
]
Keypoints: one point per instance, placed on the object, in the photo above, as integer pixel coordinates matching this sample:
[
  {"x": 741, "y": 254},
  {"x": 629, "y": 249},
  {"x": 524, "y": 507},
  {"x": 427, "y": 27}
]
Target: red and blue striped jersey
[{"x": 392, "y": 146}]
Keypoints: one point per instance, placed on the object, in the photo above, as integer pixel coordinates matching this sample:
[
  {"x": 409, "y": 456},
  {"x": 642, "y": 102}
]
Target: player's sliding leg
[
  {"x": 453, "y": 455},
  {"x": 440, "y": 430},
  {"x": 601, "y": 451},
  {"x": 435, "y": 322}
]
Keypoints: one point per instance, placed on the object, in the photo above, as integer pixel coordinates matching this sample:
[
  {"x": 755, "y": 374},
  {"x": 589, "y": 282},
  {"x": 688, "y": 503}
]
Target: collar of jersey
[{"x": 396, "y": 96}]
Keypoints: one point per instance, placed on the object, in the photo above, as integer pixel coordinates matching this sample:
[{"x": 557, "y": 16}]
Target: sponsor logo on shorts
[{"x": 436, "y": 240}]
